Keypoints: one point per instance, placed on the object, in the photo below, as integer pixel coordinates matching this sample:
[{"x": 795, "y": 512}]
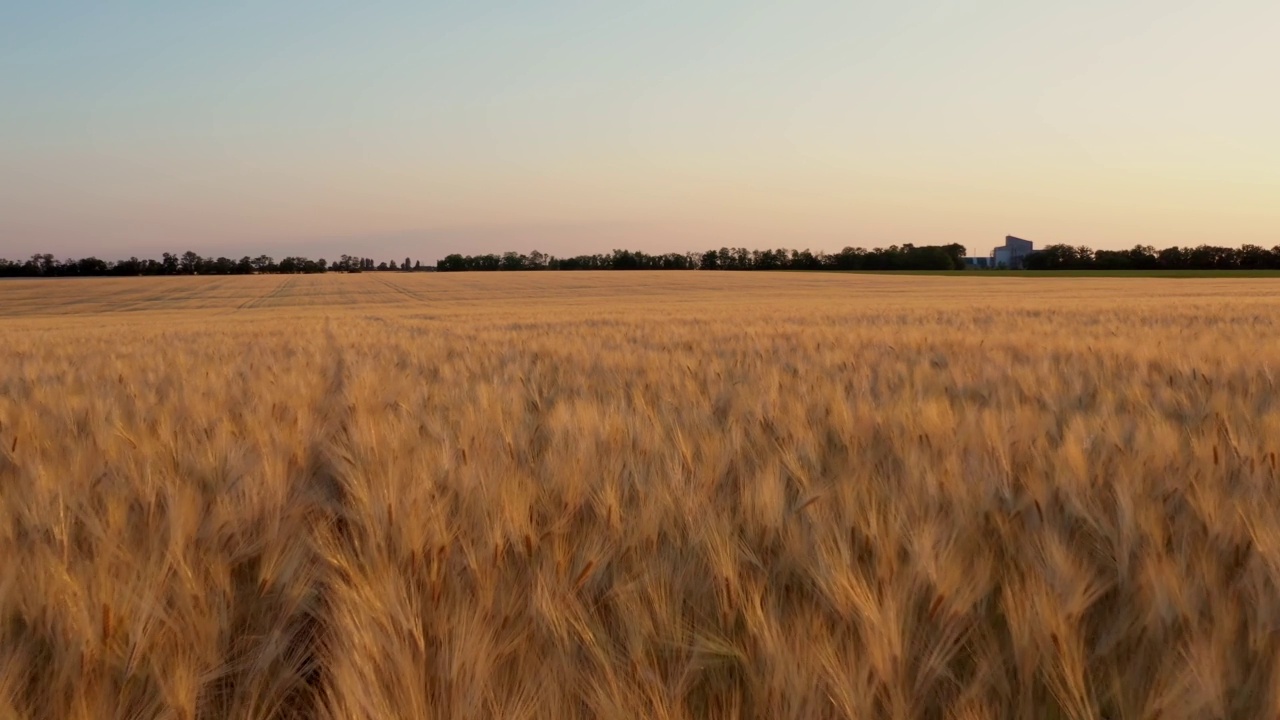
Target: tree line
[
  {"x": 904, "y": 257},
  {"x": 190, "y": 263},
  {"x": 1145, "y": 257},
  {"x": 896, "y": 257}
]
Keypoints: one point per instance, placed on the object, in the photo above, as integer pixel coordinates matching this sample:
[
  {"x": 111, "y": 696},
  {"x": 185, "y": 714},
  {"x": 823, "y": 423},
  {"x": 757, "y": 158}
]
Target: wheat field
[{"x": 639, "y": 495}]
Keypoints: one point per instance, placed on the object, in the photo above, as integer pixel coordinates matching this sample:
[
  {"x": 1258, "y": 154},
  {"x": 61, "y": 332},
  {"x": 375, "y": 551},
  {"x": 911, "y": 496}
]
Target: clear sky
[{"x": 420, "y": 128}]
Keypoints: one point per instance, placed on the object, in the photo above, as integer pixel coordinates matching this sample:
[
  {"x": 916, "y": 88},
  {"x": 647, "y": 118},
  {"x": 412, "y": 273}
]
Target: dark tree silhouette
[{"x": 904, "y": 257}]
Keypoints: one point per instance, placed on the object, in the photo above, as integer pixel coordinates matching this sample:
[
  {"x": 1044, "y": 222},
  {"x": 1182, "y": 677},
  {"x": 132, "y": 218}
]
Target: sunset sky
[{"x": 421, "y": 128}]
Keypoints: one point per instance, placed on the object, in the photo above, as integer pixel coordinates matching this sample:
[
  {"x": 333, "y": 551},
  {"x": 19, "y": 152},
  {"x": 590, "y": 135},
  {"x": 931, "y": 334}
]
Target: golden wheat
[{"x": 624, "y": 495}]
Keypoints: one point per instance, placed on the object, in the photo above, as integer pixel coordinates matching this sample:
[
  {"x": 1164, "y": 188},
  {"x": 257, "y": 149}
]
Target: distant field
[
  {"x": 624, "y": 495},
  {"x": 390, "y": 293}
]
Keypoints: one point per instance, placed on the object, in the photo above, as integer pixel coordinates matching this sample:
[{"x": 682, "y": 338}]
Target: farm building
[{"x": 1007, "y": 256}]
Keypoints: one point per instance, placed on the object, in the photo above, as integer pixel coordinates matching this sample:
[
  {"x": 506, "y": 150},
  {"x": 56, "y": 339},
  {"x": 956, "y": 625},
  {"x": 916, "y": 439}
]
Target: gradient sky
[{"x": 421, "y": 128}]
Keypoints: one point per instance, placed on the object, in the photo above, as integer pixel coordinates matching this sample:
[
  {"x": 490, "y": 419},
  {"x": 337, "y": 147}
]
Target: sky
[{"x": 421, "y": 128}]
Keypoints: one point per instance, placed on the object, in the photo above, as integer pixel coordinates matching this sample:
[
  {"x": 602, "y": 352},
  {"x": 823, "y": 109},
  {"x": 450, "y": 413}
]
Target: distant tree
[
  {"x": 513, "y": 261},
  {"x": 956, "y": 253},
  {"x": 1111, "y": 260},
  {"x": 46, "y": 264},
  {"x": 1173, "y": 258},
  {"x": 804, "y": 260},
  {"x": 1143, "y": 257},
  {"x": 849, "y": 259},
  {"x": 89, "y": 266},
  {"x": 132, "y": 266},
  {"x": 1253, "y": 257},
  {"x": 1060, "y": 257},
  {"x": 724, "y": 259},
  {"x": 452, "y": 263}
]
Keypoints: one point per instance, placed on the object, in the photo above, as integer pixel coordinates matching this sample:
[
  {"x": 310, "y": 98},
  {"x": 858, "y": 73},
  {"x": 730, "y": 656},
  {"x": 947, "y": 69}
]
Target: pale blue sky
[{"x": 419, "y": 128}]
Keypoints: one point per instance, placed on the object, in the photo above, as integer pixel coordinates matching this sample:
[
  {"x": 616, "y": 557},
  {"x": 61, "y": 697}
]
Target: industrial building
[{"x": 1006, "y": 257}]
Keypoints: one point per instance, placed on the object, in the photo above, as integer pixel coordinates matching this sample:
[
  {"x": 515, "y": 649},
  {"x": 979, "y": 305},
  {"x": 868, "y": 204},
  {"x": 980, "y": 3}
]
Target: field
[{"x": 626, "y": 495}]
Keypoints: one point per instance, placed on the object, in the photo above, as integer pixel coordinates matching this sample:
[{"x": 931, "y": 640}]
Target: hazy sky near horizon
[{"x": 421, "y": 128}]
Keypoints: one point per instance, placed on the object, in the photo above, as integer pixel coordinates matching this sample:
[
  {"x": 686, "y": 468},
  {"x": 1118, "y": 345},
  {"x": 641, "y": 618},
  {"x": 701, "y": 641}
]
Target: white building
[{"x": 1012, "y": 253}]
